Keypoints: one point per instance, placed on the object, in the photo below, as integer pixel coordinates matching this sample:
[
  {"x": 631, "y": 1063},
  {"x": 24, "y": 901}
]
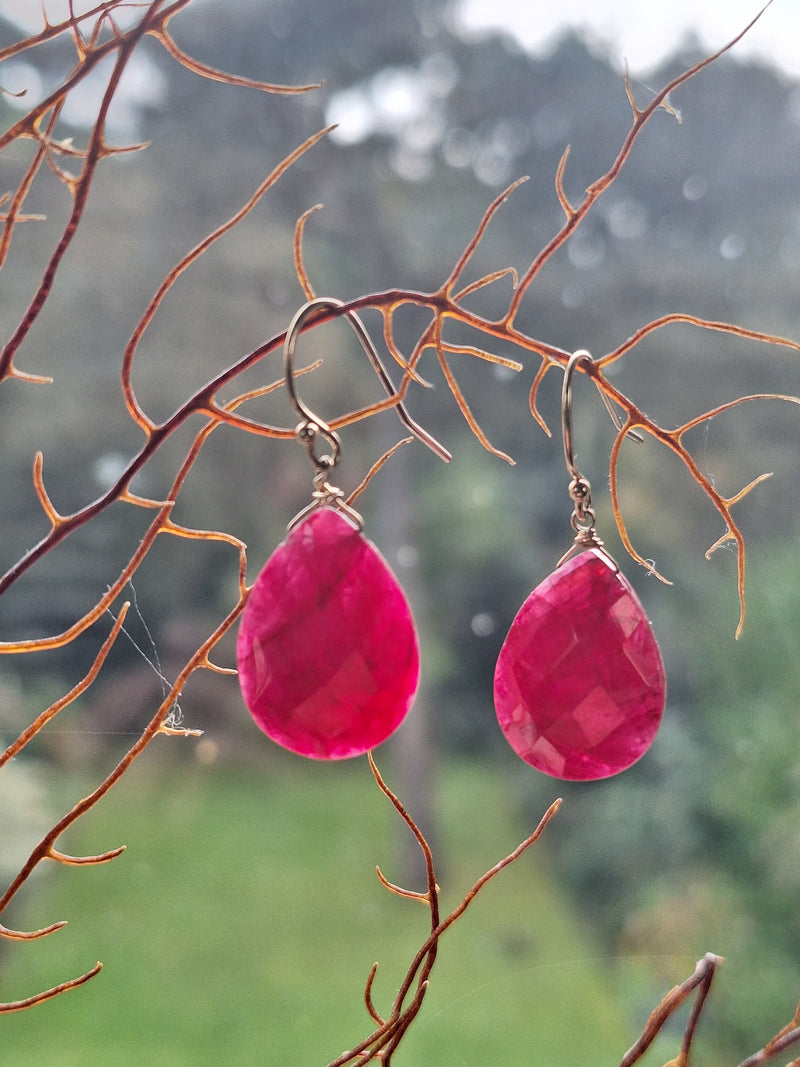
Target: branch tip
[
  {"x": 180, "y": 731},
  {"x": 32, "y": 935},
  {"x": 87, "y": 861},
  {"x": 409, "y": 894}
]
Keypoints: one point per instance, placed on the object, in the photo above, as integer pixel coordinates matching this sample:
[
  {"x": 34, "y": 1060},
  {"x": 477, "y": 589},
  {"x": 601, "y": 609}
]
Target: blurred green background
[{"x": 241, "y": 923}]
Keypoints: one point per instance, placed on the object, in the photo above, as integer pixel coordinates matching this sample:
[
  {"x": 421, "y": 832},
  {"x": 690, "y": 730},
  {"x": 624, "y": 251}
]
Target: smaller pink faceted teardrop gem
[
  {"x": 579, "y": 687},
  {"x": 327, "y": 650}
]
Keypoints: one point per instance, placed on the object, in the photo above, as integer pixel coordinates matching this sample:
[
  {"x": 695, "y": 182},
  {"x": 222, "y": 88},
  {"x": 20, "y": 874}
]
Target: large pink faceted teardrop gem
[
  {"x": 579, "y": 687},
  {"x": 327, "y": 650}
]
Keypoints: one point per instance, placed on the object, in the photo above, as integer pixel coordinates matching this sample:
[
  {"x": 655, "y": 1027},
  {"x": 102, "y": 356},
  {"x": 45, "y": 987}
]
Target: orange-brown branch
[{"x": 48, "y": 994}]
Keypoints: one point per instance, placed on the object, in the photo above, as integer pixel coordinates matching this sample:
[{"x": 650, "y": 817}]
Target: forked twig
[
  {"x": 785, "y": 1038},
  {"x": 382, "y": 1042},
  {"x": 701, "y": 980}
]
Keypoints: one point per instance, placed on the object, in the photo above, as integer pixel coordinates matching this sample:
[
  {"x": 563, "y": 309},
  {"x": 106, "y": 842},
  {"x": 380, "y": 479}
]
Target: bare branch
[
  {"x": 213, "y": 74},
  {"x": 299, "y": 264},
  {"x": 701, "y": 980},
  {"x": 48, "y": 994},
  {"x": 85, "y": 861},
  {"x": 40, "y": 721}
]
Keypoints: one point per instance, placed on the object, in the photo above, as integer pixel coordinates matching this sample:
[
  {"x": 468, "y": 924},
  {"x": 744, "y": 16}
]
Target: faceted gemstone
[
  {"x": 327, "y": 650},
  {"x": 579, "y": 687}
]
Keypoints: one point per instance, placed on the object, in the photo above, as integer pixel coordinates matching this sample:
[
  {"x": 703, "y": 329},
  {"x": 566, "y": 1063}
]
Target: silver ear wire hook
[
  {"x": 582, "y": 519},
  {"x": 582, "y": 356},
  {"x": 312, "y": 428},
  {"x": 303, "y": 409}
]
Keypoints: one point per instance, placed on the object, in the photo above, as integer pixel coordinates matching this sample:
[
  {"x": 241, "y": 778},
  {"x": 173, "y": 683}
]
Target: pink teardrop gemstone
[
  {"x": 327, "y": 650},
  {"x": 579, "y": 687}
]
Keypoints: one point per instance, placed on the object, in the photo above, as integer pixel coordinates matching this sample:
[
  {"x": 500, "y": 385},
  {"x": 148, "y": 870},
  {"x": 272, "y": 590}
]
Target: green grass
[{"x": 241, "y": 923}]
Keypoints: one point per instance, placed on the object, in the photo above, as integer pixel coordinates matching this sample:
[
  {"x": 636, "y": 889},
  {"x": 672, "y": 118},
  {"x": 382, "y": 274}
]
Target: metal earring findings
[
  {"x": 327, "y": 650},
  {"x": 579, "y": 686}
]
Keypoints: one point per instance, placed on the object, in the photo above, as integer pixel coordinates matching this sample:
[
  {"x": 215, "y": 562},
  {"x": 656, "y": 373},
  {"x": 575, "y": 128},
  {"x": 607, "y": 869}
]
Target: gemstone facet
[
  {"x": 579, "y": 687},
  {"x": 327, "y": 650}
]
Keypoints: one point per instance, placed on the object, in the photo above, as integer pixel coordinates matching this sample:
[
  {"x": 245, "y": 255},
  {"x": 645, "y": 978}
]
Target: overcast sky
[
  {"x": 644, "y": 31},
  {"x": 641, "y": 31}
]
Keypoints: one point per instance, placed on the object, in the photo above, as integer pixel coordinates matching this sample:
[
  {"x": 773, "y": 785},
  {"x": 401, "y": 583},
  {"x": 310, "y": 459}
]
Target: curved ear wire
[
  {"x": 305, "y": 412},
  {"x": 583, "y": 516},
  {"x": 581, "y": 356}
]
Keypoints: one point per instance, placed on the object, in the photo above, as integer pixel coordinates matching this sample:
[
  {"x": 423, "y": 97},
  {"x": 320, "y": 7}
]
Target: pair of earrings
[{"x": 327, "y": 651}]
